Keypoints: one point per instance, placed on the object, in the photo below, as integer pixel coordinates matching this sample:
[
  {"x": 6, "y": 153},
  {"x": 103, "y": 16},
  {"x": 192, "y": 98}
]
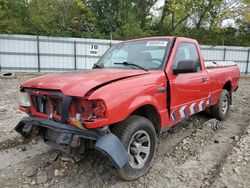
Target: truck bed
[{"x": 214, "y": 64}]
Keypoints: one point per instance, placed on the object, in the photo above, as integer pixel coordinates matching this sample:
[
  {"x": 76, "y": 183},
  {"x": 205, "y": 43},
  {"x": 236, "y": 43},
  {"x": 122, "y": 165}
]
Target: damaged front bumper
[{"x": 71, "y": 139}]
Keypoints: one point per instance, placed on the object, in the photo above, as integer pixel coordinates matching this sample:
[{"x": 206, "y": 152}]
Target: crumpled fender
[{"x": 111, "y": 146}]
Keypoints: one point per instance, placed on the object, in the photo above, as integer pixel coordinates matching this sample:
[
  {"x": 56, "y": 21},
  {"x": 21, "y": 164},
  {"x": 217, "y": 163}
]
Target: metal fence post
[
  {"x": 85, "y": 57},
  {"x": 248, "y": 53},
  {"x": 224, "y": 54},
  {"x": 75, "y": 62},
  {"x": 111, "y": 38},
  {"x": 38, "y": 54}
]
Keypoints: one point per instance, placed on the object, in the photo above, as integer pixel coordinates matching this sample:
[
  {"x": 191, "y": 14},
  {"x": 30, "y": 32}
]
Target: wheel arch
[
  {"x": 228, "y": 86},
  {"x": 150, "y": 112}
]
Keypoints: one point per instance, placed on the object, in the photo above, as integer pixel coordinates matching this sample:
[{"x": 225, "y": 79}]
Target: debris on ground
[
  {"x": 31, "y": 171},
  {"x": 8, "y": 75},
  {"x": 214, "y": 124}
]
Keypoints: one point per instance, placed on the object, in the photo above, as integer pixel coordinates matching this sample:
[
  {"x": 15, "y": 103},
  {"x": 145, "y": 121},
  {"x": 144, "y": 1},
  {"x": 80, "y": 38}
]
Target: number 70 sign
[{"x": 93, "y": 49}]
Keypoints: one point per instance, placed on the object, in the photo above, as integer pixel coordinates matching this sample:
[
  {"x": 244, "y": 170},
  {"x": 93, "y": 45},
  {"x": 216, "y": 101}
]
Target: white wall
[{"x": 19, "y": 53}]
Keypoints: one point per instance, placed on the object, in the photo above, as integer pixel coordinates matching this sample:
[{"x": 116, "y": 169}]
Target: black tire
[
  {"x": 219, "y": 111},
  {"x": 8, "y": 75},
  {"x": 127, "y": 131}
]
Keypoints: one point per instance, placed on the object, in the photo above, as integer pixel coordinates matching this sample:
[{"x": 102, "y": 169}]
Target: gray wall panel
[{"x": 19, "y": 53}]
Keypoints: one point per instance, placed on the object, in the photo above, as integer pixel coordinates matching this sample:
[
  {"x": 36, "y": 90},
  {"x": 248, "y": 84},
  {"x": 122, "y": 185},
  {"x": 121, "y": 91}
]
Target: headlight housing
[
  {"x": 24, "y": 99},
  {"x": 83, "y": 110},
  {"x": 91, "y": 110}
]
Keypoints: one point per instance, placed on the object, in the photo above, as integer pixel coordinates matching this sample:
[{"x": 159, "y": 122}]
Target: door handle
[{"x": 204, "y": 80}]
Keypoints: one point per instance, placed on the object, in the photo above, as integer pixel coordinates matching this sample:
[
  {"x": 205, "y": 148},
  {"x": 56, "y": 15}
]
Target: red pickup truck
[{"x": 137, "y": 90}]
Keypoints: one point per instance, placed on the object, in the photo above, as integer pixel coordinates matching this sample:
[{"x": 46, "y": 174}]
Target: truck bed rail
[{"x": 214, "y": 64}]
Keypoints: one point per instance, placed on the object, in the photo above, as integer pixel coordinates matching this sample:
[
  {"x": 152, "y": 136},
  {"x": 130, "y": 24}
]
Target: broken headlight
[
  {"x": 93, "y": 110},
  {"x": 24, "y": 99},
  {"x": 86, "y": 111}
]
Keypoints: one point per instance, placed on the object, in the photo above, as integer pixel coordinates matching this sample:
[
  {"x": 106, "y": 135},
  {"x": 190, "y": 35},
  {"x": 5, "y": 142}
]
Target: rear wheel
[
  {"x": 221, "y": 109},
  {"x": 139, "y": 138}
]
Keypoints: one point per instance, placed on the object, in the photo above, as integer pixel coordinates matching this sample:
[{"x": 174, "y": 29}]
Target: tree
[
  {"x": 142, "y": 8},
  {"x": 174, "y": 14},
  {"x": 75, "y": 17},
  {"x": 60, "y": 18},
  {"x": 209, "y": 21},
  {"x": 113, "y": 15},
  {"x": 42, "y": 18},
  {"x": 13, "y": 15}
]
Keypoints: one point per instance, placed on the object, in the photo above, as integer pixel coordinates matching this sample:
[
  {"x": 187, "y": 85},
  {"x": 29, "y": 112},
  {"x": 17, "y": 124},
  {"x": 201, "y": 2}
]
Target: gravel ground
[{"x": 198, "y": 152}]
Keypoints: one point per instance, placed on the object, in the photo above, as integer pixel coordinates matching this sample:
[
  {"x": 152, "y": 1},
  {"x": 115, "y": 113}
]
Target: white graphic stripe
[
  {"x": 200, "y": 105},
  {"x": 172, "y": 115},
  {"x": 182, "y": 113},
  {"x": 191, "y": 108},
  {"x": 208, "y": 100}
]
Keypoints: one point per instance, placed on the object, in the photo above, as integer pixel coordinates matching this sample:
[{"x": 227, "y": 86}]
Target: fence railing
[{"x": 25, "y": 53}]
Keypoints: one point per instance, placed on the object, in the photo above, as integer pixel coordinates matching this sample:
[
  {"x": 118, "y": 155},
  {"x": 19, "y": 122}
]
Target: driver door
[{"x": 189, "y": 91}]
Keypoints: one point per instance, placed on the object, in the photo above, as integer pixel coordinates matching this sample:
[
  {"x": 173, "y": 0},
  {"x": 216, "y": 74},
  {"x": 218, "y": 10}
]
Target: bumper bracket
[{"x": 105, "y": 142}]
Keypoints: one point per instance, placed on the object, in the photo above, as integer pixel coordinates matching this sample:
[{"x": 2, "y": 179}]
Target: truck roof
[{"x": 161, "y": 37}]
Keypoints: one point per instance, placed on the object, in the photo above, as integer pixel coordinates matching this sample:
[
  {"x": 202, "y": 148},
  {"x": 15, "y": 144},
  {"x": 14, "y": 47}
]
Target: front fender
[
  {"x": 123, "y": 97},
  {"x": 119, "y": 108},
  {"x": 141, "y": 101}
]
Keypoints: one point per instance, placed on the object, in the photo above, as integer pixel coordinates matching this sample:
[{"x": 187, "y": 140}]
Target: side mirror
[{"x": 186, "y": 66}]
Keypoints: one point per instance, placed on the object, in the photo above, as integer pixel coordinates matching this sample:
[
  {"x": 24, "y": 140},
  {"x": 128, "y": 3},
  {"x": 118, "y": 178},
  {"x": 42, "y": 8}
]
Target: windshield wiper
[
  {"x": 131, "y": 64},
  {"x": 96, "y": 66}
]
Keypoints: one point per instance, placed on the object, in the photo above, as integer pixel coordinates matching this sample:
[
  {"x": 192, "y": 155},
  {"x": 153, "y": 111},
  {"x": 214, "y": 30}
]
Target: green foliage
[
  {"x": 73, "y": 18},
  {"x": 13, "y": 14},
  {"x": 42, "y": 18},
  {"x": 46, "y": 17},
  {"x": 126, "y": 19}
]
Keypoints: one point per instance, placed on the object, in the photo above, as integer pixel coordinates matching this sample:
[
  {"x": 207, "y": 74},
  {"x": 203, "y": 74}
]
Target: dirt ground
[{"x": 199, "y": 152}]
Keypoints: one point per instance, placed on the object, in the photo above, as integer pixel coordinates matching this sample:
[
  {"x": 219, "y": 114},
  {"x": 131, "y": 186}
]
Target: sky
[{"x": 155, "y": 8}]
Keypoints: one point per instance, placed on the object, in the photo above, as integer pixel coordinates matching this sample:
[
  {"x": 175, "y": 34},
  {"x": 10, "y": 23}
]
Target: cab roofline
[{"x": 148, "y": 38}]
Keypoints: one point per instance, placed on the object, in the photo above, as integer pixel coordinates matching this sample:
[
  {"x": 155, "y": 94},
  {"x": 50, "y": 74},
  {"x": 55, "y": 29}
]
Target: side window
[{"x": 186, "y": 51}]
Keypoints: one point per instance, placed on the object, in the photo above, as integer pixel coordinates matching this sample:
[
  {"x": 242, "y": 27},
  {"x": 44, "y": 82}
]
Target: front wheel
[
  {"x": 139, "y": 138},
  {"x": 221, "y": 109}
]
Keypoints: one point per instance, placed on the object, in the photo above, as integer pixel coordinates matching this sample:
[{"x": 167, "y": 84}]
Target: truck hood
[{"x": 78, "y": 84}]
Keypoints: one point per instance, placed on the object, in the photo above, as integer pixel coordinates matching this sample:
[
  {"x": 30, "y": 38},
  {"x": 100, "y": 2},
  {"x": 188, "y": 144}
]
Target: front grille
[
  {"x": 57, "y": 105},
  {"x": 47, "y": 104},
  {"x": 41, "y": 104}
]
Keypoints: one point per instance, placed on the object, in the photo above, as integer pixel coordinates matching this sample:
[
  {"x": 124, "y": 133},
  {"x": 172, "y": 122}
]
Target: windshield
[{"x": 143, "y": 54}]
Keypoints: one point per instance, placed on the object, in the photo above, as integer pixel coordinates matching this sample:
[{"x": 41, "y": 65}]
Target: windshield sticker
[{"x": 157, "y": 43}]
